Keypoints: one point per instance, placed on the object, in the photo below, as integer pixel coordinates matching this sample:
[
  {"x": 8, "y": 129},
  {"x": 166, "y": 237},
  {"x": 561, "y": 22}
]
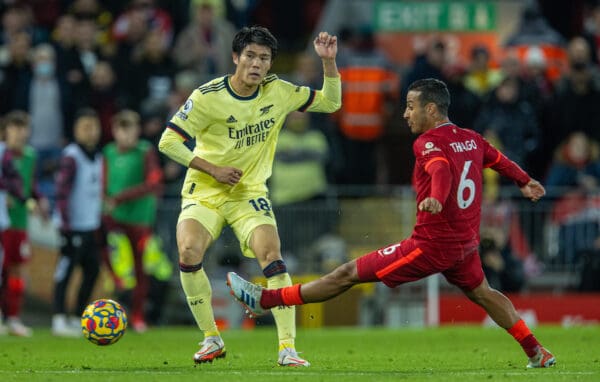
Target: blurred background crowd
[{"x": 525, "y": 74}]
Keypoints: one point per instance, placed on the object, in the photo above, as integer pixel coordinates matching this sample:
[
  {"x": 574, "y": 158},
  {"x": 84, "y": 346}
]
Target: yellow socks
[
  {"x": 285, "y": 316},
  {"x": 198, "y": 292}
]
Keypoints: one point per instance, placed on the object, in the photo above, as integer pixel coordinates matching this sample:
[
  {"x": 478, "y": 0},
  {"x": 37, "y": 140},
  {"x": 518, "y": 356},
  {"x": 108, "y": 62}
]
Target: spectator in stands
[
  {"x": 579, "y": 52},
  {"x": 85, "y": 55},
  {"x": 481, "y": 77},
  {"x": 239, "y": 12},
  {"x": 15, "y": 70},
  {"x": 511, "y": 67},
  {"x": 150, "y": 80},
  {"x": 503, "y": 271},
  {"x": 465, "y": 104},
  {"x": 78, "y": 202},
  {"x": 153, "y": 122},
  {"x": 204, "y": 45},
  {"x": 533, "y": 28},
  {"x": 130, "y": 29},
  {"x": 15, "y": 243},
  {"x": 575, "y": 105},
  {"x": 102, "y": 17},
  {"x": 88, "y": 45},
  {"x": 573, "y": 178},
  {"x": 430, "y": 60},
  {"x": 186, "y": 81},
  {"x": 307, "y": 70},
  {"x": 299, "y": 187},
  {"x": 535, "y": 76},
  {"x": 428, "y": 63},
  {"x": 592, "y": 30},
  {"x": 64, "y": 38},
  {"x": 141, "y": 17},
  {"x": 367, "y": 100},
  {"x": 48, "y": 99},
  {"x": 512, "y": 120},
  {"x": 18, "y": 18},
  {"x": 133, "y": 180},
  {"x": 532, "y": 93},
  {"x": 104, "y": 97},
  {"x": 576, "y": 164}
]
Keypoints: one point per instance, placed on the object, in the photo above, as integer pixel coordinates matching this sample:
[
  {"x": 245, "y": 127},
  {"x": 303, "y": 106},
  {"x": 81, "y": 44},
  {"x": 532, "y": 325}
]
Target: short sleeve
[{"x": 427, "y": 151}]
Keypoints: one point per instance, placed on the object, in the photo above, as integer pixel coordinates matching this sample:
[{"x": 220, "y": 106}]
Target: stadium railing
[{"x": 560, "y": 232}]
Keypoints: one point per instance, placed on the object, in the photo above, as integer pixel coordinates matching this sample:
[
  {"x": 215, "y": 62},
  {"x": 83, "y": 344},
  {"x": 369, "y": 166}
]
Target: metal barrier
[{"x": 551, "y": 236}]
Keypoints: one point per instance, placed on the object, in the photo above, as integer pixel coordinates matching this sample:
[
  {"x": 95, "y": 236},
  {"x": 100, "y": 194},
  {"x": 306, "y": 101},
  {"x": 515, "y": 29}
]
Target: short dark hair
[
  {"x": 126, "y": 118},
  {"x": 432, "y": 91},
  {"x": 15, "y": 117},
  {"x": 86, "y": 112},
  {"x": 254, "y": 35}
]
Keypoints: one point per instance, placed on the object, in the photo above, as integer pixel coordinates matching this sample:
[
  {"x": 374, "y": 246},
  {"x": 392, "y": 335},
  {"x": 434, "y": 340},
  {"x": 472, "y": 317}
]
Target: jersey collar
[
  {"x": 444, "y": 124},
  {"x": 237, "y": 96}
]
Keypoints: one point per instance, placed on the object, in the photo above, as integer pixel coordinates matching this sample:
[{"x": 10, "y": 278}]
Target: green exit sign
[{"x": 416, "y": 16}]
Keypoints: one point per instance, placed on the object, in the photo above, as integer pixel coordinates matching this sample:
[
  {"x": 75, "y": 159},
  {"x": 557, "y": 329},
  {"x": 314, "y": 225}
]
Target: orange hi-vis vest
[{"x": 364, "y": 92}]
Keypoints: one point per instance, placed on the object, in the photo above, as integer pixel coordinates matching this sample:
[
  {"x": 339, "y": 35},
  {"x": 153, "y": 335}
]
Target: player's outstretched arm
[
  {"x": 326, "y": 48},
  {"x": 533, "y": 190}
]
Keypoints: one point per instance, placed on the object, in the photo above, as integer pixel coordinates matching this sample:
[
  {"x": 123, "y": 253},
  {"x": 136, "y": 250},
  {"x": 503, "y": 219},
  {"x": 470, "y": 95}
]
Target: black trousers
[{"x": 78, "y": 248}]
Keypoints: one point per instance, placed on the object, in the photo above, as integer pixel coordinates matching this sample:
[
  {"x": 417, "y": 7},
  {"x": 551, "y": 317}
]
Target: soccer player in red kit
[{"x": 448, "y": 182}]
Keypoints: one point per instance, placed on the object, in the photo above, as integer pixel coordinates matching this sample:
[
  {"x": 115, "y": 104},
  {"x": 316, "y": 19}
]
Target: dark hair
[
  {"x": 126, "y": 118},
  {"x": 15, "y": 117},
  {"x": 432, "y": 91},
  {"x": 254, "y": 35},
  {"x": 86, "y": 112}
]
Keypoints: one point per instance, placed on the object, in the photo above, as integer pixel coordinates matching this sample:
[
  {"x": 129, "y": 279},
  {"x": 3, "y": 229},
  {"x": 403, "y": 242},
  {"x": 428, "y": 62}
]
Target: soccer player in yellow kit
[{"x": 235, "y": 120}]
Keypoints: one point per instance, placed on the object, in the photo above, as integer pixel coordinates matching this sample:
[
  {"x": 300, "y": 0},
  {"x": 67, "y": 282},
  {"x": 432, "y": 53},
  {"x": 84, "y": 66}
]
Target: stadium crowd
[{"x": 145, "y": 57}]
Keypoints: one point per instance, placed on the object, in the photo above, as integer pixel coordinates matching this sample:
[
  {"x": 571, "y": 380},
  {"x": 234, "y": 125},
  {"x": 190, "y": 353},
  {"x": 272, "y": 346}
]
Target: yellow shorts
[{"x": 242, "y": 215}]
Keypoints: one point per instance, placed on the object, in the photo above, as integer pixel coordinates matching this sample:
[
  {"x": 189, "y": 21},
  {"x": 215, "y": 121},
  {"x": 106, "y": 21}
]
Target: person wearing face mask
[{"x": 47, "y": 98}]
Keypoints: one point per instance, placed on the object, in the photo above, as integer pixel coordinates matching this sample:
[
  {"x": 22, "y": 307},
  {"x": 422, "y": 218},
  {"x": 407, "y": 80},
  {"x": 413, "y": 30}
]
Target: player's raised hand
[
  {"x": 326, "y": 45},
  {"x": 227, "y": 175},
  {"x": 431, "y": 205},
  {"x": 533, "y": 190}
]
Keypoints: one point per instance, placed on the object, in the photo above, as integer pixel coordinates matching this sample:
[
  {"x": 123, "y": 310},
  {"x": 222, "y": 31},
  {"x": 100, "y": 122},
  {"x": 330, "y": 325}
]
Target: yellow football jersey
[{"x": 241, "y": 132}]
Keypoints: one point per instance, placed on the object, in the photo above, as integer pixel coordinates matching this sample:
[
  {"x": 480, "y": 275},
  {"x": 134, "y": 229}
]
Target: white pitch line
[{"x": 270, "y": 372}]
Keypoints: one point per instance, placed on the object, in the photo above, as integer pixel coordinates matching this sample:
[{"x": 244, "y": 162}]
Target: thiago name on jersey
[
  {"x": 460, "y": 147},
  {"x": 251, "y": 133}
]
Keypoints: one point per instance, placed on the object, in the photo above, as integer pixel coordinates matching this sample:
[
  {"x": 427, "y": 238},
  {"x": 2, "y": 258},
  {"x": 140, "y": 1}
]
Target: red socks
[
  {"x": 287, "y": 296},
  {"x": 13, "y": 296},
  {"x": 524, "y": 337}
]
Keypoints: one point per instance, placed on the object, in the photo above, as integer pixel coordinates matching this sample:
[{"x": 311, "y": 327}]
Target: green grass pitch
[{"x": 451, "y": 353}]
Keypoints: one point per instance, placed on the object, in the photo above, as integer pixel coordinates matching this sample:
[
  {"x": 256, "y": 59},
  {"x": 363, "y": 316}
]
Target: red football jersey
[{"x": 467, "y": 153}]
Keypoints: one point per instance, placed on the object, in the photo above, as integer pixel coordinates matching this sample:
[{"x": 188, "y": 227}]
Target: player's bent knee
[{"x": 189, "y": 252}]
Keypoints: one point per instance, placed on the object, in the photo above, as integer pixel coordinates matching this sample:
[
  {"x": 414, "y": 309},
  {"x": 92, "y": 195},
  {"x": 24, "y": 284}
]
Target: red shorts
[
  {"x": 411, "y": 260},
  {"x": 16, "y": 246}
]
